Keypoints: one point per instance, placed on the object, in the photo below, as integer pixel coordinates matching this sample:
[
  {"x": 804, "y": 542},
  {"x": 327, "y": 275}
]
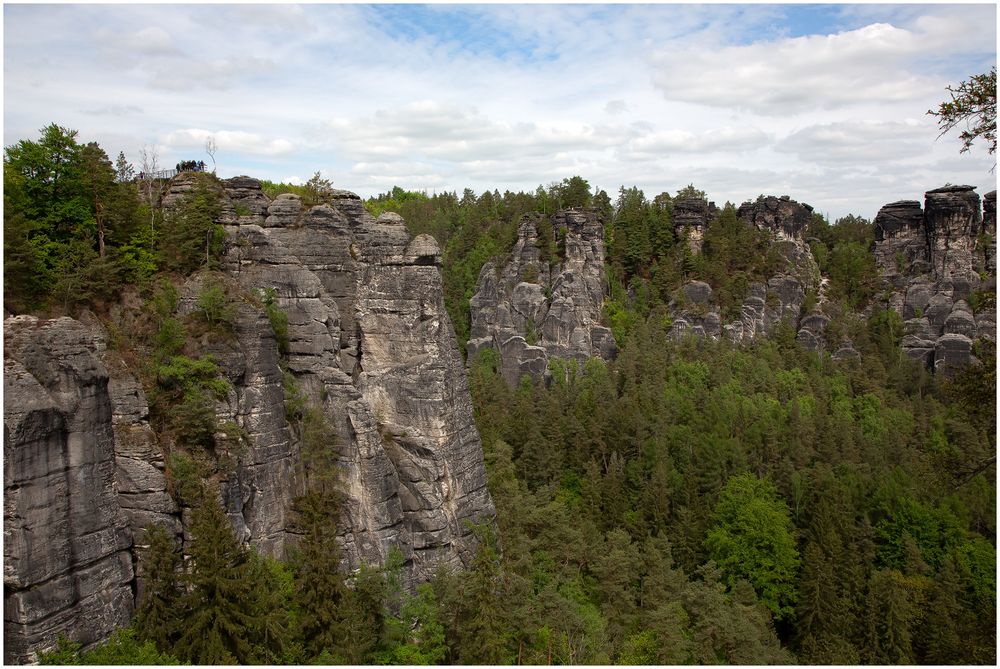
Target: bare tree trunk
[{"x": 99, "y": 217}]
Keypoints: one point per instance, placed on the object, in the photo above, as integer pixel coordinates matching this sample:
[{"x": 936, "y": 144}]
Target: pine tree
[
  {"x": 319, "y": 585},
  {"x": 157, "y": 618},
  {"x": 228, "y": 609}
]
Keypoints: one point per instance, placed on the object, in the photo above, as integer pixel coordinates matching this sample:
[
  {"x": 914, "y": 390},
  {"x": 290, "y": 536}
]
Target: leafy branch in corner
[{"x": 974, "y": 103}]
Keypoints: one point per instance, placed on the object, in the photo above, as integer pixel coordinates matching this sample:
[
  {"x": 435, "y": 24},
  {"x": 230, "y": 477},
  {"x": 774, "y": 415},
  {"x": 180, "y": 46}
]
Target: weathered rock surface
[
  {"x": 900, "y": 241},
  {"x": 781, "y": 215},
  {"x": 987, "y": 253},
  {"x": 533, "y": 309},
  {"x": 67, "y": 563},
  {"x": 767, "y": 304},
  {"x": 259, "y": 490},
  {"x": 371, "y": 343},
  {"x": 691, "y": 215},
  {"x": 933, "y": 260}
]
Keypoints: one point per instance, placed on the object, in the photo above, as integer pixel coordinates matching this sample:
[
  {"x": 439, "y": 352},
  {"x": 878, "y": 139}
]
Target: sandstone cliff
[
  {"x": 67, "y": 563},
  {"x": 371, "y": 347},
  {"x": 937, "y": 261},
  {"x": 370, "y": 340},
  {"x": 768, "y": 303},
  {"x": 537, "y": 307}
]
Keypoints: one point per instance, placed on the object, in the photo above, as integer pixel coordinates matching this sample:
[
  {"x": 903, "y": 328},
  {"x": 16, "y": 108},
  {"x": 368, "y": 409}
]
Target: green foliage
[
  {"x": 122, "y": 648},
  {"x": 752, "y": 538},
  {"x": 215, "y": 307},
  {"x": 316, "y": 191},
  {"x": 68, "y": 224},
  {"x": 974, "y": 105},
  {"x": 190, "y": 238},
  {"x": 278, "y": 320},
  {"x": 157, "y": 614},
  {"x": 231, "y": 602}
]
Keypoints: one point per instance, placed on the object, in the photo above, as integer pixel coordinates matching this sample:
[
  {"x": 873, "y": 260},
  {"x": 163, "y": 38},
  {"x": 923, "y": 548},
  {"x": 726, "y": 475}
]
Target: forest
[{"x": 690, "y": 502}]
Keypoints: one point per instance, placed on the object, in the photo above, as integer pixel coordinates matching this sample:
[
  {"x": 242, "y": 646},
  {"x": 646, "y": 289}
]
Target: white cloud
[
  {"x": 228, "y": 140},
  {"x": 792, "y": 75},
  {"x": 859, "y": 142},
  {"x": 726, "y": 139},
  {"x": 616, "y": 107},
  {"x": 511, "y": 96}
]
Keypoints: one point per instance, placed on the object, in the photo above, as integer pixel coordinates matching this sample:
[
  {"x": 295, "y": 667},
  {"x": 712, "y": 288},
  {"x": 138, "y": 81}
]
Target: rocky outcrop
[
  {"x": 691, "y": 216},
  {"x": 784, "y": 217},
  {"x": 248, "y": 203},
  {"x": 535, "y": 307},
  {"x": 67, "y": 562},
  {"x": 371, "y": 343},
  {"x": 767, "y": 304},
  {"x": 139, "y": 464},
  {"x": 262, "y": 480},
  {"x": 934, "y": 259},
  {"x": 900, "y": 241},
  {"x": 952, "y": 218}
]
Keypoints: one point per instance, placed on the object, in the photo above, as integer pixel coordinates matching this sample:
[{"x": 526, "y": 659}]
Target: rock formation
[
  {"x": 370, "y": 339},
  {"x": 536, "y": 307},
  {"x": 370, "y": 347},
  {"x": 691, "y": 215},
  {"x": 784, "y": 217},
  {"x": 769, "y": 303},
  {"x": 935, "y": 260},
  {"x": 67, "y": 564}
]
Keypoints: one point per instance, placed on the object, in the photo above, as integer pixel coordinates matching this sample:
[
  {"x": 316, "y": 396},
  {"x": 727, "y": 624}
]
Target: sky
[{"x": 824, "y": 103}]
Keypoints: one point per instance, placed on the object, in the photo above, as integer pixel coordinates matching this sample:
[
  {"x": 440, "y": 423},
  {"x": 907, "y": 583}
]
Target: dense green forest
[{"x": 690, "y": 502}]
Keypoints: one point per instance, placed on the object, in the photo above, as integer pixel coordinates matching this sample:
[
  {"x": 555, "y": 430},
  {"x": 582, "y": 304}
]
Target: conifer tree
[
  {"x": 157, "y": 618},
  {"x": 320, "y": 590},
  {"x": 228, "y": 606}
]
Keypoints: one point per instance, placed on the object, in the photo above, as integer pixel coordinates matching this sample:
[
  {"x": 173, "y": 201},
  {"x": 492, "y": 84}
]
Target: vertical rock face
[
  {"x": 900, "y": 240},
  {"x": 952, "y": 221},
  {"x": 785, "y": 217},
  {"x": 139, "y": 475},
  {"x": 533, "y": 309},
  {"x": 371, "y": 343},
  {"x": 988, "y": 253},
  {"x": 934, "y": 261},
  {"x": 259, "y": 490},
  {"x": 67, "y": 565},
  {"x": 691, "y": 216}
]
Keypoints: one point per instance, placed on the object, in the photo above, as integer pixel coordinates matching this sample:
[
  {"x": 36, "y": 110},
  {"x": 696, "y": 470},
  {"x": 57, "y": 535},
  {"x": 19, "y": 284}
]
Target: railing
[
  {"x": 164, "y": 174},
  {"x": 161, "y": 174}
]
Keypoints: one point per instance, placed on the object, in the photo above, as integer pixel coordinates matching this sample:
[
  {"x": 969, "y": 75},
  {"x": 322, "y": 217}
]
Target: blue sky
[{"x": 825, "y": 103}]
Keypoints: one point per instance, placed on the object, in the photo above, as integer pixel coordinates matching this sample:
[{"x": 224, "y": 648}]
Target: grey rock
[
  {"x": 900, "y": 241},
  {"x": 811, "y": 331},
  {"x": 554, "y": 303},
  {"x": 67, "y": 567},
  {"x": 246, "y": 199},
  {"x": 697, "y": 292},
  {"x": 952, "y": 221},
  {"x": 785, "y": 217},
  {"x": 284, "y": 211},
  {"x": 986, "y": 257},
  {"x": 371, "y": 342},
  {"x": 691, "y": 216},
  {"x": 952, "y": 352},
  {"x": 960, "y": 320}
]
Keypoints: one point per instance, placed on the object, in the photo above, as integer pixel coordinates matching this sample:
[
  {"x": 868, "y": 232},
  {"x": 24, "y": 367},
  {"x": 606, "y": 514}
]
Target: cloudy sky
[{"x": 825, "y": 103}]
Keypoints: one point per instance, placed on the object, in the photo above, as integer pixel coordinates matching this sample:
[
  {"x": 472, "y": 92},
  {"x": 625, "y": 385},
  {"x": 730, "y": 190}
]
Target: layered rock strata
[
  {"x": 67, "y": 562},
  {"x": 936, "y": 260},
  {"x": 533, "y": 309},
  {"x": 769, "y": 303},
  {"x": 371, "y": 343},
  {"x": 691, "y": 216}
]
